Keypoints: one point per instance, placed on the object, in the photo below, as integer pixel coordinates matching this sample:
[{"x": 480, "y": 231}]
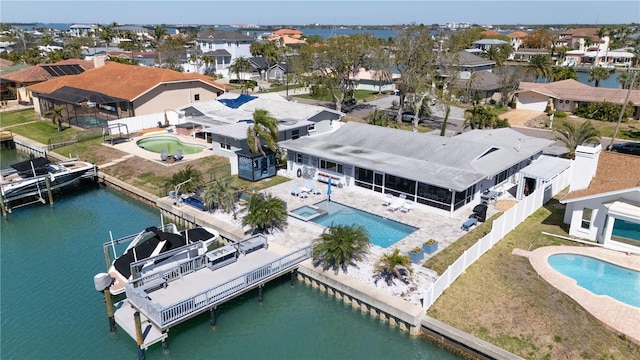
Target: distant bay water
[{"x": 49, "y": 308}]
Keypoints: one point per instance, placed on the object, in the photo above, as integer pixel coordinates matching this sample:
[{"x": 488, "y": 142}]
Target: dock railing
[{"x": 164, "y": 317}]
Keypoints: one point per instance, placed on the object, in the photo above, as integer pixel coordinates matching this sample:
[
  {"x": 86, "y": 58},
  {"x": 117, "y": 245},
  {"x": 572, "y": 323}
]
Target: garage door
[{"x": 531, "y": 101}]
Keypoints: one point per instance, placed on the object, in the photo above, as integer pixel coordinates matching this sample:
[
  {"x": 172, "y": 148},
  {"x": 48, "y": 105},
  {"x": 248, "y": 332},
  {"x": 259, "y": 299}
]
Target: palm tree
[
  {"x": 563, "y": 73},
  {"x": 598, "y": 74},
  {"x": 246, "y": 86},
  {"x": 184, "y": 175},
  {"x": 382, "y": 75},
  {"x": 239, "y": 66},
  {"x": 625, "y": 81},
  {"x": 340, "y": 246},
  {"x": 265, "y": 128},
  {"x": 389, "y": 266},
  {"x": 540, "y": 66},
  {"x": 572, "y": 136},
  {"x": 265, "y": 212},
  {"x": 221, "y": 194},
  {"x": 56, "y": 116},
  {"x": 481, "y": 117},
  {"x": 158, "y": 34}
]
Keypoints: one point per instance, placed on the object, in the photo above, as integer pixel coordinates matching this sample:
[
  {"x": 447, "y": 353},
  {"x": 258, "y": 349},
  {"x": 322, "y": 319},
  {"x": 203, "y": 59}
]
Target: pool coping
[
  {"x": 319, "y": 212},
  {"x": 614, "y": 314}
]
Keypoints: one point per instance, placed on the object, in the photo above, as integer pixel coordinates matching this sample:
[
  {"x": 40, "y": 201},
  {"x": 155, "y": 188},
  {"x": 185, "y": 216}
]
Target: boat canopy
[{"x": 25, "y": 170}]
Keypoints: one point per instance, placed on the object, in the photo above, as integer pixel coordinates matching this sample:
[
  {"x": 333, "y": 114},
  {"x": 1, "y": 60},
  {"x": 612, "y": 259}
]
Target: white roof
[{"x": 546, "y": 167}]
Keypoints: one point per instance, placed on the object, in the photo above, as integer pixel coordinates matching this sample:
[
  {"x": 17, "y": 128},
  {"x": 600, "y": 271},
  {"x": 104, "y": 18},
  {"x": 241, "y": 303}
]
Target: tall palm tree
[
  {"x": 221, "y": 194},
  {"x": 158, "y": 34},
  {"x": 572, "y": 136},
  {"x": 240, "y": 65},
  {"x": 382, "y": 75},
  {"x": 563, "y": 73},
  {"x": 389, "y": 266},
  {"x": 540, "y": 65},
  {"x": 265, "y": 212},
  {"x": 56, "y": 116},
  {"x": 340, "y": 246},
  {"x": 598, "y": 74},
  {"x": 625, "y": 81},
  {"x": 264, "y": 128}
]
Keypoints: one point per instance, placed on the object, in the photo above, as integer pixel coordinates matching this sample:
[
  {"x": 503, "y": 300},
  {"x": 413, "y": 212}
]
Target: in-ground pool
[
  {"x": 168, "y": 143},
  {"x": 88, "y": 121},
  {"x": 600, "y": 277},
  {"x": 382, "y": 232},
  {"x": 307, "y": 212}
]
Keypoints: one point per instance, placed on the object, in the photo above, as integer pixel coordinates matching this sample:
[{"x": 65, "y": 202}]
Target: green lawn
[
  {"x": 629, "y": 130},
  {"x": 11, "y": 118},
  {"x": 361, "y": 95}
]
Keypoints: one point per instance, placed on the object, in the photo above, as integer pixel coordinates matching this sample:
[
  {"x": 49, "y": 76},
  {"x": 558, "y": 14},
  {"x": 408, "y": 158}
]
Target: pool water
[
  {"x": 170, "y": 144},
  {"x": 88, "y": 121},
  {"x": 626, "y": 229},
  {"x": 382, "y": 232},
  {"x": 600, "y": 277}
]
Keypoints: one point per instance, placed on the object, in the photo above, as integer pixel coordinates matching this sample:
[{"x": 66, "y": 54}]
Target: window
[
  {"x": 331, "y": 166},
  {"x": 196, "y": 97},
  {"x": 298, "y": 157},
  {"x": 295, "y": 134},
  {"x": 311, "y": 128},
  {"x": 586, "y": 218},
  {"x": 225, "y": 143}
]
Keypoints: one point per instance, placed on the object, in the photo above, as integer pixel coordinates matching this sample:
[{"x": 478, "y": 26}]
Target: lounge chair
[
  {"x": 179, "y": 155},
  {"x": 296, "y": 192},
  {"x": 387, "y": 199},
  {"x": 408, "y": 204},
  {"x": 311, "y": 187},
  {"x": 163, "y": 155},
  {"x": 396, "y": 205}
]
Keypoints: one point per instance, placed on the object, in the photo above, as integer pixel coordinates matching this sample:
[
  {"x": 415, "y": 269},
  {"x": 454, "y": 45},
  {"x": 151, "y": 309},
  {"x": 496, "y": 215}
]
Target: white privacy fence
[{"x": 501, "y": 226}]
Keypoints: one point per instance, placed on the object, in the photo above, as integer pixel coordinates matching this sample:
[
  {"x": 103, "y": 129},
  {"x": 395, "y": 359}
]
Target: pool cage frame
[{"x": 108, "y": 133}]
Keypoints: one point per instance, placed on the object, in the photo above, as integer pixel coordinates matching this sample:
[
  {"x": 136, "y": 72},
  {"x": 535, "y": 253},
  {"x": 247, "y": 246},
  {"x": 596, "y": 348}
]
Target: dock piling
[
  {"x": 294, "y": 275},
  {"x": 260, "y": 293},
  {"x": 4, "y": 209},
  {"x": 139, "y": 339},
  {"x": 109, "y": 302},
  {"x": 48, "y": 182},
  {"x": 212, "y": 317},
  {"x": 165, "y": 344}
]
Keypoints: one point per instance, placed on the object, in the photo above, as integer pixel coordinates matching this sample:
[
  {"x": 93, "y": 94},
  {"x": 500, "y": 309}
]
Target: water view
[{"x": 50, "y": 310}]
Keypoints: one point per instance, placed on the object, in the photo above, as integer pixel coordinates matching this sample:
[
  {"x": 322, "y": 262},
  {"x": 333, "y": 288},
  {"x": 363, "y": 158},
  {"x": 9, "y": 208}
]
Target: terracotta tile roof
[
  {"x": 288, "y": 32},
  {"x": 490, "y": 33},
  {"x": 517, "y": 34},
  {"x": 120, "y": 80},
  {"x": 573, "y": 90},
  {"x": 615, "y": 172},
  {"x": 5, "y": 64},
  {"x": 36, "y": 73}
]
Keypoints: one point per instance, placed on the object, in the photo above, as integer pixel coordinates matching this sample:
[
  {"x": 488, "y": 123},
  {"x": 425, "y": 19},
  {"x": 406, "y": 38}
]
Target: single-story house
[
  {"x": 445, "y": 174},
  {"x": 526, "y": 54},
  {"x": 486, "y": 44},
  {"x": 603, "y": 203},
  {"x": 567, "y": 95},
  {"x": 20, "y": 80},
  {"x": 224, "y": 121},
  {"x": 113, "y": 91},
  {"x": 367, "y": 80}
]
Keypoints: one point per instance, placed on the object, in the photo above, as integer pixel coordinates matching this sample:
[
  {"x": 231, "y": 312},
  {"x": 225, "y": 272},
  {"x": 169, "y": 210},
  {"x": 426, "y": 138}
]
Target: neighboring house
[
  {"x": 470, "y": 63},
  {"x": 114, "y": 90},
  {"x": 224, "y": 47},
  {"x": 583, "y": 39},
  {"x": 445, "y": 174},
  {"x": 486, "y": 44},
  {"x": 20, "y": 80},
  {"x": 278, "y": 71},
  {"x": 516, "y": 38},
  {"x": 83, "y": 30},
  {"x": 141, "y": 58},
  {"x": 225, "y": 120},
  {"x": 366, "y": 80},
  {"x": 475, "y": 76},
  {"x": 141, "y": 33},
  {"x": 259, "y": 66},
  {"x": 603, "y": 203},
  {"x": 526, "y": 54},
  {"x": 567, "y": 95},
  {"x": 8, "y": 90}
]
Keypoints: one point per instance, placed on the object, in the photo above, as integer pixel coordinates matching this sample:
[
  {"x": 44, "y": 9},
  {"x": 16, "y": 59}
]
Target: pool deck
[
  {"x": 132, "y": 148},
  {"x": 620, "y": 317}
]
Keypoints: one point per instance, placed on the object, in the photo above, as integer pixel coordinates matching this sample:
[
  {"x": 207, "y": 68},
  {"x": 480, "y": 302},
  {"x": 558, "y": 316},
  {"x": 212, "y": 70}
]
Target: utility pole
[{"x": 633, "y": 73}]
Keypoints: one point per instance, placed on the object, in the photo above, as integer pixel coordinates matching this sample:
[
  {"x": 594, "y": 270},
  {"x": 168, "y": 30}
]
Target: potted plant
[
  {"x": 430, "y": 246},
  {"x": 416, "y": 254}
]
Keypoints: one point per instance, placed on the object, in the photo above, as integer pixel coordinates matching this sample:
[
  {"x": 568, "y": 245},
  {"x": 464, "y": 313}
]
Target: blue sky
[{"x": 299, "y": 12}]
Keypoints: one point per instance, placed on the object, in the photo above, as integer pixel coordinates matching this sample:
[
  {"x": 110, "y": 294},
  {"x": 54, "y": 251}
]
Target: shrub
[
  {"x": 239, "y": 81},
  {"x": 603, "y": 111},
  {"x": 560, "y": 114}
]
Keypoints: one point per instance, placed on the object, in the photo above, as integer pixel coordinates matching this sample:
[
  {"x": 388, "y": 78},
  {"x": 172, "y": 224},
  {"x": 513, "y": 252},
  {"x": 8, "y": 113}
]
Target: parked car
[
  {"x": 409, "y": 116},
  {"x": 632, "y": 148}
]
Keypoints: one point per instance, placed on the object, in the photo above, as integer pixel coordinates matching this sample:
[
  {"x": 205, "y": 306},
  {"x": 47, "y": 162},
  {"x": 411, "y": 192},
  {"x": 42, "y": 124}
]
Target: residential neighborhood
[{"x": 443, "y": 173}]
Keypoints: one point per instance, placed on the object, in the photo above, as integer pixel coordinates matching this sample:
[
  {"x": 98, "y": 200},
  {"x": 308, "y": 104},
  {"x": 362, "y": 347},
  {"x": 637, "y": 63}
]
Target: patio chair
[
  {"x": 297, "y": 192},
  {"x": 312, "y": 189},
  {"x": 179, "y": 155},
  {"x": 163, "y": 155},
  {"x": 396, "y": 205},
  {"x": 387, "y": 199},
  {"x": 408, "y": 204}
]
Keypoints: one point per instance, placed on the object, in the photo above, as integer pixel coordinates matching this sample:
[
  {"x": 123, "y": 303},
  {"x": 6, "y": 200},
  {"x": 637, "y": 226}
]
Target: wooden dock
[{"x": 182, "y": 288}]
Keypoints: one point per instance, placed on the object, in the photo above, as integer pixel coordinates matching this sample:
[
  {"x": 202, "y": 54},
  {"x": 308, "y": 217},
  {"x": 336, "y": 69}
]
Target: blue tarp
[{"x": 237, "y": 102}]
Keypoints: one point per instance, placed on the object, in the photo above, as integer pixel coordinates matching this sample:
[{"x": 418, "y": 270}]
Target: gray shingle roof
[
  {"x": 222, "y": 36},
  {"x": 455, "y": 163},
  {"x": 467, "y": 59}
]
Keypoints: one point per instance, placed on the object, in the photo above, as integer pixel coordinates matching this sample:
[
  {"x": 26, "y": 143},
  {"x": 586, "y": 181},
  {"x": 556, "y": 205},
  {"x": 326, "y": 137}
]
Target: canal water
[{"x": 49, "y": 308}]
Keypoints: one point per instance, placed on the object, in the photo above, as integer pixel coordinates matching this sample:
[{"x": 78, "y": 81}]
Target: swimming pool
[
  {"x": 600, "y": 277},
  {"x": 170, "y": 144},
  {"x": 626, "y": 229},
  {"x": 88, "y": 121},
  {"x": 382, "y": 232}
]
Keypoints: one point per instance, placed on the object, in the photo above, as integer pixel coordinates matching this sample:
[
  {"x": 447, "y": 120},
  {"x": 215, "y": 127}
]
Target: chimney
[
  {"x": 584, "y": 166},
  {"x": 99, "y": 61}
]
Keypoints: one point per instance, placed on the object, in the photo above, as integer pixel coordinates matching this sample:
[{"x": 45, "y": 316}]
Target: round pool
[{"x": 168, "y": 143}]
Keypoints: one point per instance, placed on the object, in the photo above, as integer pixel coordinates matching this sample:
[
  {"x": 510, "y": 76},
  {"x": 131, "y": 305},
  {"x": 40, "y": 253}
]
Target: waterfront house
[
  {"x": 113, "y": 91},
  {"x": 83, "y": 30},
  {"x": 603, "y": 203},
  {"x": 486, "y": 44},
  {"x": 444, "y": 174},
  {"x": 20, "y": 80},
  {"x": 516, "y": 38},
  {"x": 475, "y": 75},
  {"x": 567, "y": 95},
  {"x": 224, "y": 47}
]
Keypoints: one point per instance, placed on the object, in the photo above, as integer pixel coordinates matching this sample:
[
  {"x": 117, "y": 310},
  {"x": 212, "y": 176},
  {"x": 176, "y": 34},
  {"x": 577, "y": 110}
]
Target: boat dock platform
[{"x": 182, "y": 287}]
